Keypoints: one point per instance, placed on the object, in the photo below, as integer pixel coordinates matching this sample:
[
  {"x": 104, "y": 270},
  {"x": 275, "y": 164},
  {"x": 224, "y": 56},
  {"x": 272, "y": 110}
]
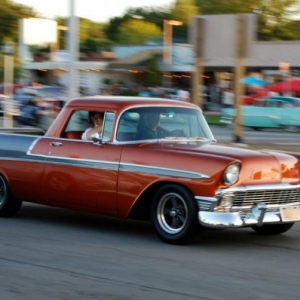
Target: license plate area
[{"x": 290, "y": 213}]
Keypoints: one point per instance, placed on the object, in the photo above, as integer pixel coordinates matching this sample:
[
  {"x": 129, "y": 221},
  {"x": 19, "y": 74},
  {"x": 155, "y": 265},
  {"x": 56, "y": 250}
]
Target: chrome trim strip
[
  {"x": 161, "y": 171},
  {"x": 105, "y": 165},
  {"x": 209, "y": 199},
  {"x": 84, "y": 163},
  {"x": 278, "y": 186},
  {"x": 32, "y": 145}
]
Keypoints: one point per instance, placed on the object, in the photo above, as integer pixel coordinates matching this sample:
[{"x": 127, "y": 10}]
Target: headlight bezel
[{"x": 231, "y": 174}]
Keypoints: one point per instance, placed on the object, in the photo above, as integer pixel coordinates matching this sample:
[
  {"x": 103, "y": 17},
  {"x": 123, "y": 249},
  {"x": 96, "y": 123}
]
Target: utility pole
[
  {"x": 8, "y": 51},
  {"x": 167, "y": 48},
  {"x": 73, "y": 52},
  {"x": 239, "y": 74},
  {"x": 197, "y": 77}
]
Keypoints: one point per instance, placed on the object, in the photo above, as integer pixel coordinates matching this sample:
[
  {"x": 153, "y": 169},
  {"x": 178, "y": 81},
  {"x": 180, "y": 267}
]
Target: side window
[
  {"x": 78, "y": 121},
  {"x": 128, "y": 126},
  {"x": 108, "y": 126},
  {"x": 76, "y": 125}
]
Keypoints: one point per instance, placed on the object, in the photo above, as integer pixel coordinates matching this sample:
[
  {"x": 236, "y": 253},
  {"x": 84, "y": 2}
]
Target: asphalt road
[{"x": 49, "y": 253}]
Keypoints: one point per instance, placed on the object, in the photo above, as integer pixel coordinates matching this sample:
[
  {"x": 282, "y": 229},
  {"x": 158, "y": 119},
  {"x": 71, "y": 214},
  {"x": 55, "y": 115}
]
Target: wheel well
[{"x": 141, "y": 209}]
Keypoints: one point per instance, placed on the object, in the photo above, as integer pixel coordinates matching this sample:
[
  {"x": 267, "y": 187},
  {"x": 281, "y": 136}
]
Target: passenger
[{"x": 96, "y": 121}]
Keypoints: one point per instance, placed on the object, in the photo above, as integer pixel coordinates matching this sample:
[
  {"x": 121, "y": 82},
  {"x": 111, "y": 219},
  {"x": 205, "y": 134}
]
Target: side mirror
[{"x": 95, "y": 137}]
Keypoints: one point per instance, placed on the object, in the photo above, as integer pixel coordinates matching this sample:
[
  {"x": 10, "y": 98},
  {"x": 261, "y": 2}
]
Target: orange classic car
[{"x": 156, "y": 160}]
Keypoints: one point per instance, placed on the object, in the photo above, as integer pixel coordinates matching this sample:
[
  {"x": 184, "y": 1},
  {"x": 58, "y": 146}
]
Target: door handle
[{"x": 56, "y": 144}]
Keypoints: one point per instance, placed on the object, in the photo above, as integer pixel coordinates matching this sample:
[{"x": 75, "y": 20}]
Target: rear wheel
[
  {"x": 292, "y": 128},
  {"x": 272, "y": 229},
  {"x": 8, "y": 205},
  {"x": 174, "y": 215}
]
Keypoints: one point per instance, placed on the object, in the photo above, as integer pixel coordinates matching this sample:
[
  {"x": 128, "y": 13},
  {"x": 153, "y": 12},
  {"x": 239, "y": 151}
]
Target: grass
[{"x": 213, "y": 119}]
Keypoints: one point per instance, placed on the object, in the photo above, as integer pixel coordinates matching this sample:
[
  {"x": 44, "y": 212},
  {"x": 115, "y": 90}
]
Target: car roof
[{"x": 122, "y": 102}]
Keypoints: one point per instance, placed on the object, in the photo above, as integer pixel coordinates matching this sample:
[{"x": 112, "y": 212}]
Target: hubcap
[{"x": 172, "y": 213}]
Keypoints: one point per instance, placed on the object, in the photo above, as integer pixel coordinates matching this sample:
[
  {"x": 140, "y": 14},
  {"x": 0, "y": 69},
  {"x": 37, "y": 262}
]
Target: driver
[{"x": 152, "y": 130}]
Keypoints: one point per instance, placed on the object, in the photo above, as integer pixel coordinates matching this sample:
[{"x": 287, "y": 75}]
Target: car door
[{"x": 81, "y": 174}]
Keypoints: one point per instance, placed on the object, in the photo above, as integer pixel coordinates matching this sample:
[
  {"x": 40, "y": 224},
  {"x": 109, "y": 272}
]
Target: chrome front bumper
[
  {"x": 251, "y": 205},
  {"x": 257, "y": 216}
]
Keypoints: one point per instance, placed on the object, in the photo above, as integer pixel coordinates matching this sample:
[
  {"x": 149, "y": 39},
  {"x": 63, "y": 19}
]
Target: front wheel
[
  {"x": 8, "y": 205},
  {"x": 174, "y": 215},
  {"x": 272, "y": 229}
]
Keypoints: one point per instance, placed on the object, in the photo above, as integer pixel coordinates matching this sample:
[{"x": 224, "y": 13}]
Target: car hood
[
  {"x": 257, "y": 167},
  {"x": 260, "y": 165}
]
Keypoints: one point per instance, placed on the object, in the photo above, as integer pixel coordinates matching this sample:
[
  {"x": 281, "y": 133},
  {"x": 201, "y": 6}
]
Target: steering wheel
[{"x": 178, "y": 133}]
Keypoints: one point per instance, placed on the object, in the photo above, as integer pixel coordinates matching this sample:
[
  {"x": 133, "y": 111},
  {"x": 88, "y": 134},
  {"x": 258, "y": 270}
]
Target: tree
[
  {"x": 274, "y": 16},
  {"x": 91, "y": 35},
  {"x": 183, "y": 10},
  {"x": 153, "y": 76},
  {"x": 155, "y": 15},
  {"x": 136, "y": 31},
  {"x": 9, "y": 19}
]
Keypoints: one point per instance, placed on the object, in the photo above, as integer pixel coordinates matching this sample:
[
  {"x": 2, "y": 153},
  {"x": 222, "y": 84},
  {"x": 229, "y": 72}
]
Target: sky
[{"x": 96, "y": 10}]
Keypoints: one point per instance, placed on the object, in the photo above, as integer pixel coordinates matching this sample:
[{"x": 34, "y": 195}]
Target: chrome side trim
[
  {"x": 108, "y": 165},
  {"x": 161, "y": 171}
]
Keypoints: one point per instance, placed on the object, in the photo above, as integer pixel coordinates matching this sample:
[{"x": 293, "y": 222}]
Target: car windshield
[{"x": 146, "y": 123}]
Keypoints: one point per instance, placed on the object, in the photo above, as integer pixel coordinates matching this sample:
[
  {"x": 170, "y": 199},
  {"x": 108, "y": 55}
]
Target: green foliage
[
  {"x": 183, "y": 10},
  {"x": 9, "y": 19},
  {"x": 107, "y": 81},
  {"x": 17, "y": 69},
  {"x": 149, "y": 14},
  {"x": 153, "y": 76},
  {"x": 213, "y": 119},
  {"x": 275, "y": 20},
  {"x": 129, "y": 92},
  {"x": 136, "y": 31}
]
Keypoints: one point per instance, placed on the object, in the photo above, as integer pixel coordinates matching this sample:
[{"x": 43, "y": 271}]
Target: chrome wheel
[{"x": 172, "y": 213}]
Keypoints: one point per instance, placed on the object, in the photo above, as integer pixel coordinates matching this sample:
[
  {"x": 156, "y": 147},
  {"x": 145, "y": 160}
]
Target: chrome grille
[{"x": 269, "y": 197}]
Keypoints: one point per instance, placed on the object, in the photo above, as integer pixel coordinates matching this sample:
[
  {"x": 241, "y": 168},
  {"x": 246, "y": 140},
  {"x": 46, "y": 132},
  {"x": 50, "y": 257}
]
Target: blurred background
[{"x": 143, "y": 51}]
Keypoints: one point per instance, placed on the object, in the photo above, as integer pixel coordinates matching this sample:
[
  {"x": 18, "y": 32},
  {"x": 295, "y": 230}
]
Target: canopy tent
[
  {"x": 251, "y": 80},
  {"x": 291, "y": 85}
]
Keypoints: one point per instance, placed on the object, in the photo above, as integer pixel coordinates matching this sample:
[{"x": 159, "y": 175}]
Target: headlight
[{"x": 231, "y": 174}]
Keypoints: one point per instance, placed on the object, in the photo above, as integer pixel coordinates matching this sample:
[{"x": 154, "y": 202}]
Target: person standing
[{"x": 228, "y": 98}]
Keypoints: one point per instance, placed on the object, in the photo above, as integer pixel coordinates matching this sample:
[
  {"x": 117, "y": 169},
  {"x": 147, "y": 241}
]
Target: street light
[{"x": 167, "y": 40}]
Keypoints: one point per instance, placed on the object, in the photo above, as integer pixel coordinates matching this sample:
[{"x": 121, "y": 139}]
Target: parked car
[
  {"x": 48, "y": 101},
  {"x": 181, "y": 181},
  {"x": 49, "y": 98},
  {"x": 273, "y": 112},
  {"x": 9, "y": 105}
]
